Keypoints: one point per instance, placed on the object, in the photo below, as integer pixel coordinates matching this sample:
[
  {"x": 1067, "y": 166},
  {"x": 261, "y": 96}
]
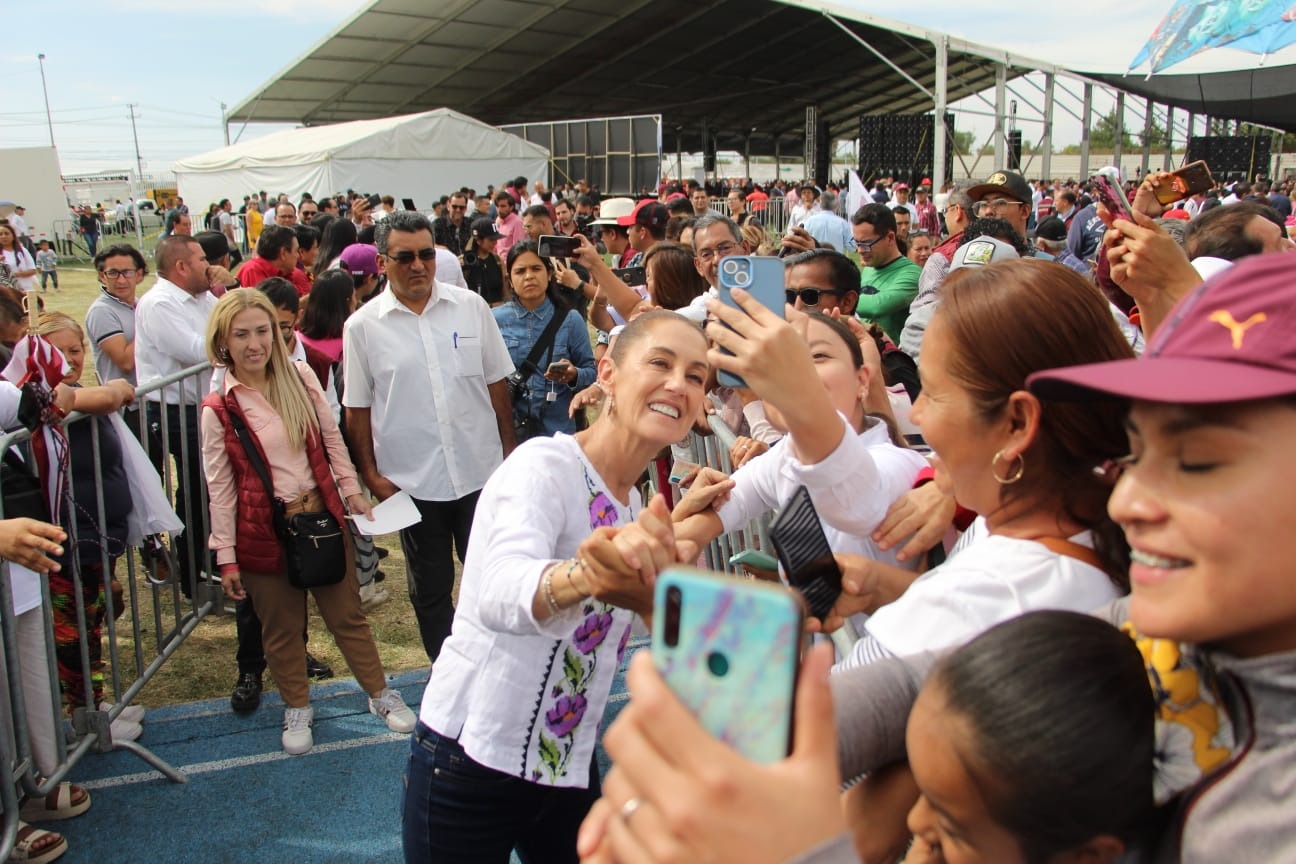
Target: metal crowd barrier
[{"x": 173, "y": 618}]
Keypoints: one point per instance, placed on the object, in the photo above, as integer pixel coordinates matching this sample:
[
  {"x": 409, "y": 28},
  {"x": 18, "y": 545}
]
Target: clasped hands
[{"x": 622, "y": 562}]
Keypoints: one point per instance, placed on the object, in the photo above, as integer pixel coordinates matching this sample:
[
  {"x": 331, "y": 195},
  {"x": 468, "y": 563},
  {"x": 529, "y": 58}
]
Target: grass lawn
[{"x": 204, "y": 667}]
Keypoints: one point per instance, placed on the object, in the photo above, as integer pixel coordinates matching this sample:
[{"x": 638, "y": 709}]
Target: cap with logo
[
  {"x": 982, "y": 251},
  {"x": 1007, "y": 183},
  {"x": 1231, "y": 340},
  {"x": 648, "y": 213},
  {"x": 360, "y": 259},
  {"x": 484, "y": 229},
  {"x": 612, "y": 209}
]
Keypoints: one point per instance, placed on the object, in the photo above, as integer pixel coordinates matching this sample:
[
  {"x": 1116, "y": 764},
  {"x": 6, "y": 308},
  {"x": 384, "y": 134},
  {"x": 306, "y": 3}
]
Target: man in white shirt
[
  {"x": 18, "y": 223},
  {"x": 170, "y": 335},
  {"x": 427, "y": 408}
]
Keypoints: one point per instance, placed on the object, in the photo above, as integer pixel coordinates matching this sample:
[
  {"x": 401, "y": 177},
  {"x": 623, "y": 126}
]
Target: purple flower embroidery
[
  {"x": 565, "y": 715},
  {"x": 621, "y": 648},
  {"x": 592, "y": 631},
  {"x": 602, "y": 511}
]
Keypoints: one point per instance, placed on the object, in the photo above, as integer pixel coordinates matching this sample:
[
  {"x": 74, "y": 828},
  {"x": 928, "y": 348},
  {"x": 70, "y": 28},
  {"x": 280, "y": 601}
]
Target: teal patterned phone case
[{"x": 730, "y": 649}]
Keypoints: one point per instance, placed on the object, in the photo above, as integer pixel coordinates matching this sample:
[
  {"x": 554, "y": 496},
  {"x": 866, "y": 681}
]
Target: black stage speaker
[
  {"x": 1232, "y": 157},
  {"x": 1014, "y": 150},
  {"x": 900, "y": 146}
]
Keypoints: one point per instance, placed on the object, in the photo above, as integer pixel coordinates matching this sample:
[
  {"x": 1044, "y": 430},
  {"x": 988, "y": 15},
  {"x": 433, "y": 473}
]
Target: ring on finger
[{"x": 629, "y": 808}]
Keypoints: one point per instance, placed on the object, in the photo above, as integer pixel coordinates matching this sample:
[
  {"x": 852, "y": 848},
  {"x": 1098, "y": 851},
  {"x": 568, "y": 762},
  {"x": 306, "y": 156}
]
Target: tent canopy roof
[
  {"x": 745, "y": 67},
  {"x": 402, "y": 137},
  {"x": 1266, "y": 96}
]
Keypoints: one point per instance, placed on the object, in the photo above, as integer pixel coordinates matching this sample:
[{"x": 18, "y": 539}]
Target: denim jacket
[{"x": 521, "y": 329}]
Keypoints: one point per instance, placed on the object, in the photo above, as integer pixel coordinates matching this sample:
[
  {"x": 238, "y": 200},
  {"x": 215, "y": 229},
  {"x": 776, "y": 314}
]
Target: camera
[{"x": 517, "y": 386}]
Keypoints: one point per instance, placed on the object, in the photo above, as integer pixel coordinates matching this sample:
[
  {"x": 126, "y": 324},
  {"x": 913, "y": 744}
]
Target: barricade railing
[{"x": 181, "y": 596}]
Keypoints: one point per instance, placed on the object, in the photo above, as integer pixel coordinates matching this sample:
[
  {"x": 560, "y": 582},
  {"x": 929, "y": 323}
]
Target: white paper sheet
[
  {"x": 26, "y": 588},
  {"x": 395, "y": 513}
]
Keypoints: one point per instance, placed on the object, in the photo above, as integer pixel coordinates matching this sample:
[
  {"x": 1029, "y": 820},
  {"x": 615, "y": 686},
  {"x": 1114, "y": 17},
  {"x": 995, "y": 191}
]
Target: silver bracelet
[{"x": 546, "y": 584}]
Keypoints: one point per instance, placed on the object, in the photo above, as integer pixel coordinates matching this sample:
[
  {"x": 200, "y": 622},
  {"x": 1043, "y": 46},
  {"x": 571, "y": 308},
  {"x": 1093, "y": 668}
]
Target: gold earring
[{"x": 1012, "y": 478}]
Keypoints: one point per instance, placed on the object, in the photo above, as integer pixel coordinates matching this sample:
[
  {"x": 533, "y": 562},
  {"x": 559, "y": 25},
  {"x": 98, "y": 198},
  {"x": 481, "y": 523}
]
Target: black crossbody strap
[
  {"x": 543, "y": 344},
  {"x": 241, "y": 430}
]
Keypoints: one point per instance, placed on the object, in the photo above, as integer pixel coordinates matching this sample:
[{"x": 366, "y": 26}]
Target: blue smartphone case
[
  {"x": 735, "y": 658},
  {"x": 758, "y": 275}
]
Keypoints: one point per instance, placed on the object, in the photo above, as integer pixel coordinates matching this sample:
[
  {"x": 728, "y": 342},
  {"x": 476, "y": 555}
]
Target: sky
[{"x": 178, "y": 60}]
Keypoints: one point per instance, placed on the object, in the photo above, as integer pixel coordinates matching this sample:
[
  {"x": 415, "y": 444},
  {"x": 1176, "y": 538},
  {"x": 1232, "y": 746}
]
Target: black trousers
[{"x": 429, "y": 547}]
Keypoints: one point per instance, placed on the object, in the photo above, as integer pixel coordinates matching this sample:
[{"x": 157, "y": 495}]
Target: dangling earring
[
  {"x": 223, "y": 355},
  {"x": 1012, "y": 478}
]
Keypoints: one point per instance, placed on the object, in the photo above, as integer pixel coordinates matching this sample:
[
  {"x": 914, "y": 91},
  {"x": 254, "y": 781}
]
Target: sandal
[
  {"x": 36, "y": 845},
  {"x": 64, "y": 802}
]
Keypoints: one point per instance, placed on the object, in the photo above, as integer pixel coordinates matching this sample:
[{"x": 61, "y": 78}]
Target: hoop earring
[{"x": 1011, "y": 478}]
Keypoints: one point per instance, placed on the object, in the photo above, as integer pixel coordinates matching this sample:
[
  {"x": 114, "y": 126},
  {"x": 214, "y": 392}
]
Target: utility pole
[
  {"x": 138, "y": 186},
  {"x": 49, "y": 119}
]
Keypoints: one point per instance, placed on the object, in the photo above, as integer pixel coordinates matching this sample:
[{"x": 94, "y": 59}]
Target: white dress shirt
[
  {"x": 522, "y": 696},
  {"x": 424, "y": 377},
  {"x": 171, "y": 335}
]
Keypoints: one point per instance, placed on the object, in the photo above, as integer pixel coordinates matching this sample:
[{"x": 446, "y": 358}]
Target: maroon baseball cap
[
  {"x": 1232, "y": 340},
  {"x": 649, "y": 213}
]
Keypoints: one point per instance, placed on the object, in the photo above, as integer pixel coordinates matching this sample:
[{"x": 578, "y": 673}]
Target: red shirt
[
  {"x": 256, "y": 268},
  {"x": 757, "y": 201}
]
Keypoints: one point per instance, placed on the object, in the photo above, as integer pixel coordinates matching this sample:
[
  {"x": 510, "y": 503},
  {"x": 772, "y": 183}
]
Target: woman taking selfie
[
  {"x": 536, "y": 315},
  {"x": 556, "y": 571},
  {"x": 295, "y": 439}
]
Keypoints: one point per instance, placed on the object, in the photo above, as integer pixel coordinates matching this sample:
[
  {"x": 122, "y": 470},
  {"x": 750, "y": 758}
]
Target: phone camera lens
[
  {"x": 743, "y": 279},
  {"x": 730, "y": 267},
  {"x": 674, "y": 602}
]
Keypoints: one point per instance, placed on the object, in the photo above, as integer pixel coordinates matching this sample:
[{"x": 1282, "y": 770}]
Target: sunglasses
[
  {"x": 407, "y": 258},
  {"x": 809, "y": 296}
]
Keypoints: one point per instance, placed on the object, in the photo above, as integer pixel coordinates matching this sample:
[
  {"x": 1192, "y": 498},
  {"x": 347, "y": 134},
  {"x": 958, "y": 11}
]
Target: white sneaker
[
  {"x": 297, "y": 738},
  {"x": 391, "y": 707},
  {"x": 372, "y": 595},
  {"x": 125, "y": 730},
  {"x": 133, "y": 713}
]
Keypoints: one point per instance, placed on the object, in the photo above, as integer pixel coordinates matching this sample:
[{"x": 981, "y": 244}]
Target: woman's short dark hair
[
  {"x": 1070, "y": 324},
  {"x": 675, "y": 278},
  {"x": 338, "y": 234},
  {"x": 329, "y": 306},
  {"x": 307, "y": 236},
  {"x": 1061, "y": 717}
]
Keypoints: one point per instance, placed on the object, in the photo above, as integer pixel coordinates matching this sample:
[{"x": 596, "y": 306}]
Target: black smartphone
[
  {"x": 374, "y": 200},
  {"x": 557, "y": 246},
  {"x": 631, "y": 276},
  {"x": 408, "y": 203},
  {"x": 559, "y": 367},
  {"x": 804, "y": 552}
]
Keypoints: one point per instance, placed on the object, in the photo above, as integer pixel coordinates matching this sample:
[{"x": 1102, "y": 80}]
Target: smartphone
[
  {"x": 558, "y": 367},
  {"x": 729, "y": 649},
  {"x": 631, "y": 276},
  {"x": 1187, "y": 181},
  {"x": 1112, "y": 198},
  {"x": 755, "y": 559},
  {"x": 804, "y": 552},
  {"x": 758, "y": 275},
  {"x": 408, "y": 203},
  {"x": 374, "y": 200},
  {"x": 557, "y": 246}
]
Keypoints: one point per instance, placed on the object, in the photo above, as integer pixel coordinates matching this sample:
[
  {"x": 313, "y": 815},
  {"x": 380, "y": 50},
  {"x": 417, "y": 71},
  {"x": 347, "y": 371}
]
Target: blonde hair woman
[{"x": 294, "y": 433}]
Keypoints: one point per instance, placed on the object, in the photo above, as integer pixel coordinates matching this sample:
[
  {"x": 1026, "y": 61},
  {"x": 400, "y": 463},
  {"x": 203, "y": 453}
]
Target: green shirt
[{"x": 886, "y": 292}]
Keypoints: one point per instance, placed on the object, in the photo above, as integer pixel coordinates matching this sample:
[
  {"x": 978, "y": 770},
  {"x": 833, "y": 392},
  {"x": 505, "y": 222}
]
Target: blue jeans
[{"x": 456, "y": 810}]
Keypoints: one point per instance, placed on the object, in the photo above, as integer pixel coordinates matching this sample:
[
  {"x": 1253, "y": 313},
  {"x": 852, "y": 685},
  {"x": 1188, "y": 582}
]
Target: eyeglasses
[
  {"x": 120, "y": 274},
  {"x": 307, "y": 214},
  {"x": 407, "y": 258},
  {"x": 706, "y": 256},
  {"x": 867, "y": 245},
  {"x": 998, "y": 204},
  {"x": 809, "y": 296},
  {"x": 458, "y": 206}
]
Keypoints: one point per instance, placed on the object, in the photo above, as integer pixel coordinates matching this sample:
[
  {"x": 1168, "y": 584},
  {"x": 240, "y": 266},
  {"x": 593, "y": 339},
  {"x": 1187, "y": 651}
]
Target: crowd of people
[{"x": 1043, "y": 440}]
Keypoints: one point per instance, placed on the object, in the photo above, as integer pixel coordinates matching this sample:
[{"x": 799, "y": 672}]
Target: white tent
[{"x": 419, "y": 156}]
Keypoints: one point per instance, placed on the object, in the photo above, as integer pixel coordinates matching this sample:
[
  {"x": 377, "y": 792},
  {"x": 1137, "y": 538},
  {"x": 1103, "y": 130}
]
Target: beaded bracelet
[{"x": 547, "y": 585}]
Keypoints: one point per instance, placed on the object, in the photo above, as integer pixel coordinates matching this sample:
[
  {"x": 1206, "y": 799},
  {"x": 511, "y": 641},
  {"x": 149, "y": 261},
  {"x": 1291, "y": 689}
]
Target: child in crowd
[{"x": 47, "y": 264}]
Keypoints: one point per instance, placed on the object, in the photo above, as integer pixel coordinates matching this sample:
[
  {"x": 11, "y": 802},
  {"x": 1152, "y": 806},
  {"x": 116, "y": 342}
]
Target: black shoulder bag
[
  {"x": 524, "y": 425},
  {"x": 313, "y": 543}
]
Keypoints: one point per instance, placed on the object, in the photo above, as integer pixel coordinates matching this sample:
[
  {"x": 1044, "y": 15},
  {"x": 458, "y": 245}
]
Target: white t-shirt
[
  {"x": 424, "y": 376},
  {"x": 988, "y": 579},
  {"x": 22, "y": 261},
  {"x": 522, "y": 696}
]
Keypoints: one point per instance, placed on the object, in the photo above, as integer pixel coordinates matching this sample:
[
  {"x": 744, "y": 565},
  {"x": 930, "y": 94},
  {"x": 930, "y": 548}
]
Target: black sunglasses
[
  {"x": 407, "y": 258},
  {"x": 809, "y": 296}
]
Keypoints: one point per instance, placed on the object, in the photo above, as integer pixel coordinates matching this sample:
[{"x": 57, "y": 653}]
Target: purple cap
[
  {"x": 1232, "y": 340},
  {"x": 360, "y": 259}
]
